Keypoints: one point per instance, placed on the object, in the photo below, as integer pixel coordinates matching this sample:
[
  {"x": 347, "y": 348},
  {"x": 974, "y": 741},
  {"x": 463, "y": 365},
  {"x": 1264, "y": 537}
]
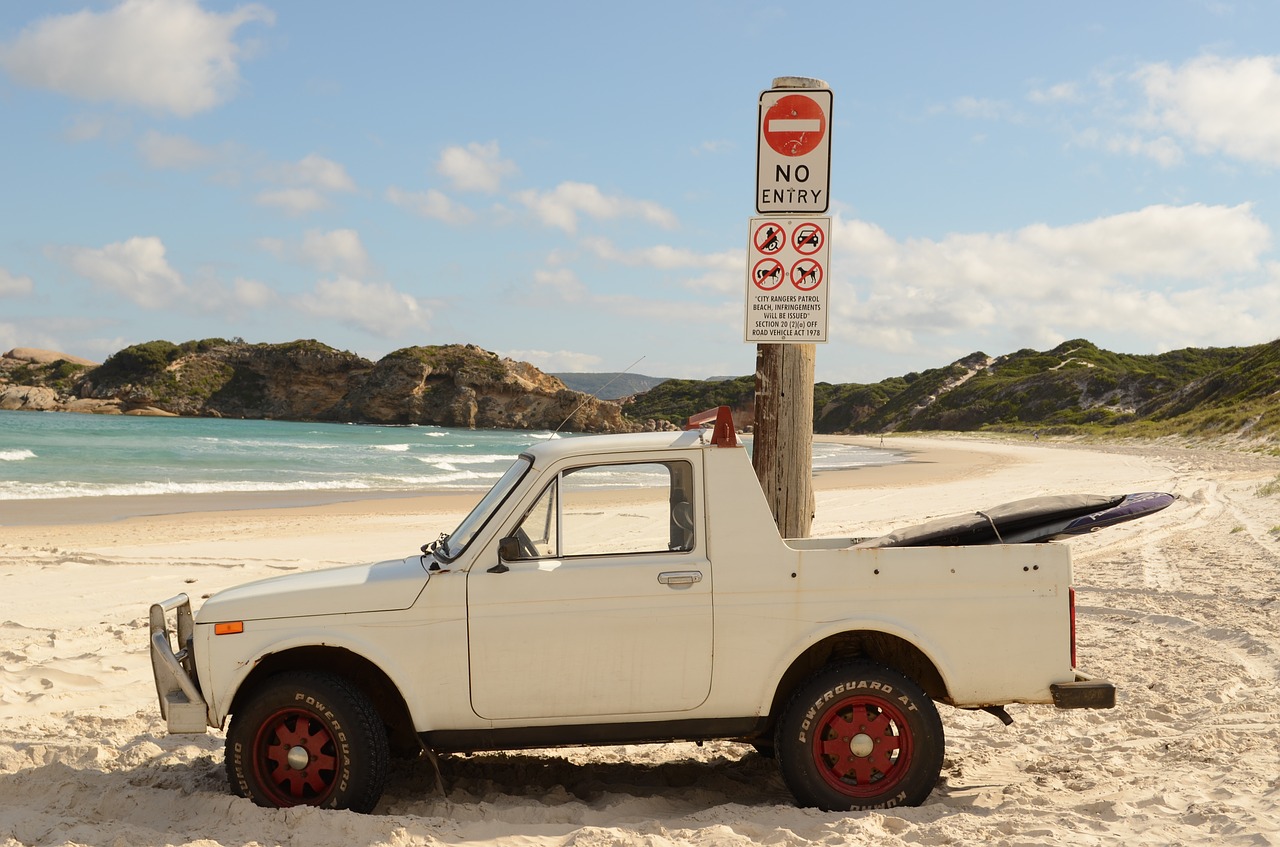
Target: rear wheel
[
  {"x": 860, "y": 736},
  {"x": 308, "y": 739}
]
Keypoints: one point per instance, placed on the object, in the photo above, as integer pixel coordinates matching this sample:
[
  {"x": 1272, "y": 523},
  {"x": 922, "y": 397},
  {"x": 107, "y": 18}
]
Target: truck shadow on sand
[{"x": 680, "y": 782}]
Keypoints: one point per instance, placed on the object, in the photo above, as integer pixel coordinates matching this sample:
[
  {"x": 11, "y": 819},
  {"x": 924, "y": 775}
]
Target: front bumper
[
  {"x": 181, "y": 703},
  {"x": 1084, "y": 693}
]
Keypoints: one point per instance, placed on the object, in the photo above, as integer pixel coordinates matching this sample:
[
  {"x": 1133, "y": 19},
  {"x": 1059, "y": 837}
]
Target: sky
[{"x": 571, "y": 183}]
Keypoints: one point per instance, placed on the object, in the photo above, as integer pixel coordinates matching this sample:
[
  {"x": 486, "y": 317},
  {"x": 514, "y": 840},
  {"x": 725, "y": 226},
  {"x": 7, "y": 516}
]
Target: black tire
[
  {"x": 309, "y": 739},
  {"x": 860, "y": 736}
]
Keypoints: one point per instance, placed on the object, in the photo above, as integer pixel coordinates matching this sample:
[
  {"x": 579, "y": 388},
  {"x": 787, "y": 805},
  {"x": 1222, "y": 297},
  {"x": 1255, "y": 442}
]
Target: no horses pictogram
[{"x": 767, "y": 274}]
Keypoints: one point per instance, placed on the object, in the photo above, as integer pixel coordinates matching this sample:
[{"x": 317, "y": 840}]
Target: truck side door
[{"x": 606, "y": 608}]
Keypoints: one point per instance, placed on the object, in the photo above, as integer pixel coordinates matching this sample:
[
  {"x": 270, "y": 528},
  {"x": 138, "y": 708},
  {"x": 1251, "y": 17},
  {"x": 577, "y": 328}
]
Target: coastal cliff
[{"x": 450, "y": 385}]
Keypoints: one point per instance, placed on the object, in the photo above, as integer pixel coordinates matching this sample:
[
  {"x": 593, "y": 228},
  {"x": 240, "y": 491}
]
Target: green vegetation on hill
[
  {"x": 1075, "y": 388},
  {"x": 676, "y": 399}
]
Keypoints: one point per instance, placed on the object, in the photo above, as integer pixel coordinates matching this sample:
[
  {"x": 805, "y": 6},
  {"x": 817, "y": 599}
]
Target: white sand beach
[{"x": 1181, "y": 610}]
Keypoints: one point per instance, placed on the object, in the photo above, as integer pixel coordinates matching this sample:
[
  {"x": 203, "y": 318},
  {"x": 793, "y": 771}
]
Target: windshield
[{"x": 457, "y": 541}]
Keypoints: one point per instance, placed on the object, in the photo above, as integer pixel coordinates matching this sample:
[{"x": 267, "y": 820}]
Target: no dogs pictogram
[{"x": 806, "y": 274}]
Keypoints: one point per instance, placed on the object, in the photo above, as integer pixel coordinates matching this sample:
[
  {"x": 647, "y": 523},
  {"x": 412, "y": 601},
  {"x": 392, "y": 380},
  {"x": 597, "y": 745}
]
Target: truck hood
[{"x": 382, "y": 587}]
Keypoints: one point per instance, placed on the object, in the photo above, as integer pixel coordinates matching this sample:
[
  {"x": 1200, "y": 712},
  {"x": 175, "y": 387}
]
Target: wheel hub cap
[
  {"x": 861, "y": 745},
  {"x": 298, "y": 758}
]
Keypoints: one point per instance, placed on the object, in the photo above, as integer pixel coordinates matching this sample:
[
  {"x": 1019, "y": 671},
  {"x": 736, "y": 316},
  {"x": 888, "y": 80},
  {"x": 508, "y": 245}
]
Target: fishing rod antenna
[{"x": 594, "y": 395}]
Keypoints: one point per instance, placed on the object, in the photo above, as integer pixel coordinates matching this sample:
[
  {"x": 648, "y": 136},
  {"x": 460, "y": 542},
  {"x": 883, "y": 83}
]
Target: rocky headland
[{"x": 447, "y": 385}]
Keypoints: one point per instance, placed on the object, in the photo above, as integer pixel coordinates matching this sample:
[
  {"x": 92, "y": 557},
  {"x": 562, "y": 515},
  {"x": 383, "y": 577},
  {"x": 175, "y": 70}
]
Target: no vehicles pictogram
[{"x": 808, "y": 239}]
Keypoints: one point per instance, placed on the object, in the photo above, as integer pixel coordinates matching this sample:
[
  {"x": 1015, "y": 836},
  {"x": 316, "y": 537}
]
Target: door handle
[{"x": 680, "y": 577}]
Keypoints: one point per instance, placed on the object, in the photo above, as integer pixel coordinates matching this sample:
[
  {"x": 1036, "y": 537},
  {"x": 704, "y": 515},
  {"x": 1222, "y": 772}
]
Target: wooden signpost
[{"x": 786, "y": 304}]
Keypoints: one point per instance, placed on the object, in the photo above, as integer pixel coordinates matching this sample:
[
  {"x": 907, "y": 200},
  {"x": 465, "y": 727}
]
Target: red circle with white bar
[
  {"x": 769, "y": 238},
  {"x": 794, "y": 125},
  {"x": 808, "y": 239},
  {"x": 806, "y": 274},
  {"x": 767, "y": 274}
]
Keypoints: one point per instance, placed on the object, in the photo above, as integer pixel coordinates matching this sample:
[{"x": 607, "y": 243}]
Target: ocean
[{"x": 45, "y": 455}]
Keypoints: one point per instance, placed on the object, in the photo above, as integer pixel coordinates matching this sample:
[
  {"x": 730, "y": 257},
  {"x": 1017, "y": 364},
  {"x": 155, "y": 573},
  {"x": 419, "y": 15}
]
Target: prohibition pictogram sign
[
  {"x": 808, "y": 239},
  {"x": 769, "y": 238},
  {"x": 795, "y": 125},
  {"x": 767, "y": 274},
  {"x": 806, "y": 274}
]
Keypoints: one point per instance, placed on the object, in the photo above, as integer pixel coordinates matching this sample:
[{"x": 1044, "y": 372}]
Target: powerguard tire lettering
[
  {"x": 860, "y": 736},
  {"x": 308, "y": 739}
]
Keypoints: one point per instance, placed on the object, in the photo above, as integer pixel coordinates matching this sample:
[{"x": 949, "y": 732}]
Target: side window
[
  {"x": 614, "y": 509},
  {"x": 540, "y": 526}
]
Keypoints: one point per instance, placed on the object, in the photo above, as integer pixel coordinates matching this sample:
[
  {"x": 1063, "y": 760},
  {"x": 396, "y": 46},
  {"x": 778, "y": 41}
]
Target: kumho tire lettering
[
  {"x": 308, "y": 738},
  {"x": 859, "y": 736}
]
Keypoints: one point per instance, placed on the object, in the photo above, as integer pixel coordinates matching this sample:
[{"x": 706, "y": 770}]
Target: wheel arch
[
  {"x": 358, "y": 670},
  {"x": 883, "y": 648}
]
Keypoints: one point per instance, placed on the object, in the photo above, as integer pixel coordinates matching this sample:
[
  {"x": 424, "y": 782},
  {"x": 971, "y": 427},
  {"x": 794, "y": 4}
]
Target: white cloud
[
  {"x": 982, "y": 109},
  {"x": 251, "y": 294},
  {"x": 175, "y": 151},
  {"x": 135, "y": 269},
  {"x": 563, "y": 282},
  {"x": 243, "y": 296},
  {"x": 12, "y": 285},
  {"x": 82, "y": 128},
  {"x": 713, "y": 148},
  {"x": 563, "y": 285},
  {"x": 168, "y": 55},
  {"x": 476, "y": 167},
  {"x": 1220, "y": 105},
  {"x": 662, "y": 256},
  {"x": 375, "y": 308},
  {"x": 312, "y": 171},
  {"x": 308, "y": 183},
  {"x": 336, "y": 251},
  {"x": 294, "y": 201},
  {"x": 562, "y": 206},
  {"x": 721, "y": 272},
  {"x": 558, "y": 361},
  {"x": 431, "y": 204},
  {"x": 1175, "y": 275},
  {"x": 1163, "y": 150},
  {"x": 1063, "y": 92}
]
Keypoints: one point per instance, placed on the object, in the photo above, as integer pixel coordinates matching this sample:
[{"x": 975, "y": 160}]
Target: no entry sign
[{"x": 793, "y": 151}]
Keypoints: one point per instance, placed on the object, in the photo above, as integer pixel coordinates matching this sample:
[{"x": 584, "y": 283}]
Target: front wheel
[
  {"x": 308, "y": 739},
  {"x": 859, "y": 736}
]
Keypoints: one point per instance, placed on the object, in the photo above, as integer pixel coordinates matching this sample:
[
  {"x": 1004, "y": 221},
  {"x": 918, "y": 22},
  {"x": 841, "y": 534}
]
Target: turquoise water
[{"x": 51, "y": 454}]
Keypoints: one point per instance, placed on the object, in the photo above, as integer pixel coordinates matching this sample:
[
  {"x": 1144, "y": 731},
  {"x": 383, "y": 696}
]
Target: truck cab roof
[{"x": 551, "y": 451}]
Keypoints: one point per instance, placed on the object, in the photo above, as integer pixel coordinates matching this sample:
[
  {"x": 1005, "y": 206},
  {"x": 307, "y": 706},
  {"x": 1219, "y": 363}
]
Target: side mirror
[{"x": 509, "y": 549}]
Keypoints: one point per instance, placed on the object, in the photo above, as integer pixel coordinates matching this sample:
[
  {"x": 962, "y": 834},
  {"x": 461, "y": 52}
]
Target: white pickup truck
[{"x": 563, "y": 613}]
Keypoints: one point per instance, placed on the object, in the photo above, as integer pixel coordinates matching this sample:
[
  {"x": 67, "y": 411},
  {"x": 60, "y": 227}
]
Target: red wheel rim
[
  {"x": 295, "y": 758},
  {"x": 862, "y": 746}
]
